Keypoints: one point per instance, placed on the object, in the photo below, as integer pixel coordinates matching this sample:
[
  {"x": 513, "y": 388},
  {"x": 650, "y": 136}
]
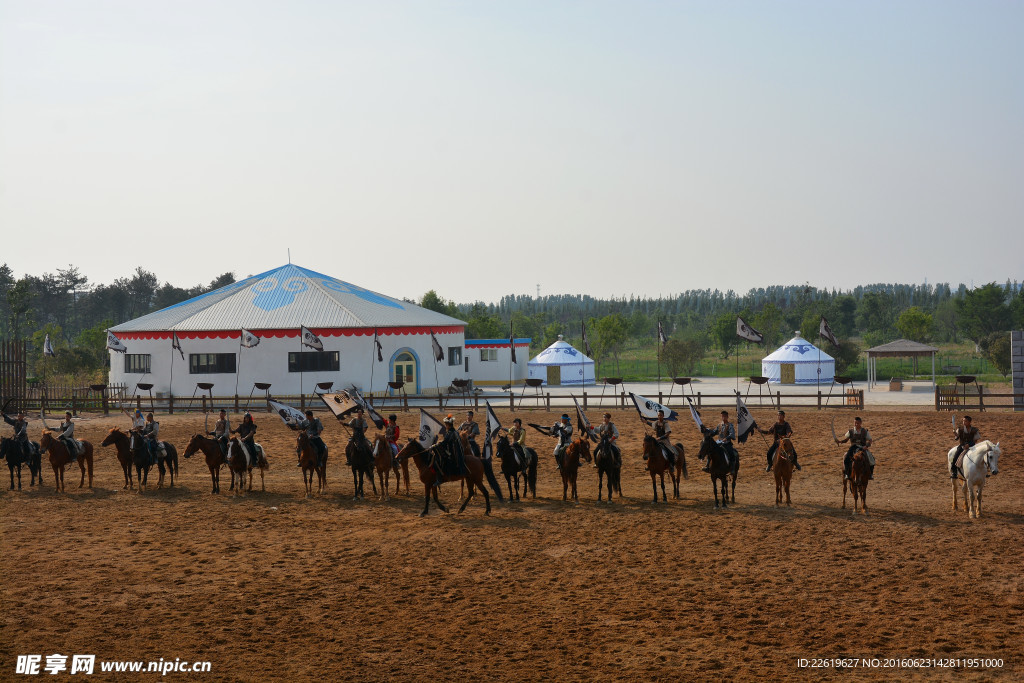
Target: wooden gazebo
[{"x": 901, "y": 348}]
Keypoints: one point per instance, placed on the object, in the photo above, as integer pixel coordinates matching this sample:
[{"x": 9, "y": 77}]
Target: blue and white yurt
[
  {"x": 561, "y": 363},
  {"x": 798, "y": 362}
]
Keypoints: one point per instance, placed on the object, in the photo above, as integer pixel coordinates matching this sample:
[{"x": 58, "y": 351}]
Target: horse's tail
[
  {"x": 172, "y": 456},
  {"x": 531, "y": 471}
]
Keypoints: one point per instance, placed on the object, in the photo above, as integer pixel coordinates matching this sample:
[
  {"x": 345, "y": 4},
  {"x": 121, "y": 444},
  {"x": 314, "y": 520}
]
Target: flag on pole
[
  {"x": 512, "y": 342},
  {"x": 661, "y": 335},
  {"x": 430, "y": 427},
  {"x": 249, "y": 339},
  {"x": 648, "y": 409},
  {"x": 340, "y": 404},
  {"x": 380, "y": 355},
  {"x": 311, "y": 340},
  {"x": 826, "y": 332},
  {"x": 586, "y": 343},
  {"x": 115, "y": 344},
  {"x": 745, "y": 424},
  {"x": 48, "y": 347},
  {"x": 438, "y": 351},
  {"x": 176, "y": 344},
  {"x": 290, "y": 416},
  {"x": 695, "y": 415},
  {"x": 582, "y": 423},
  {"x": 745, "y": 331},
  {"x": 493, "y": 425},
  {"x": 374, "y": 416}
]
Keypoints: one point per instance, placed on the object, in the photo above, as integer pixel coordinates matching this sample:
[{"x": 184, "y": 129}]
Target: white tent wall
[
  {"x": 496, "y": 372},
  {"x": 575, "y": 369},
  {"x": 804, "y": 357}
]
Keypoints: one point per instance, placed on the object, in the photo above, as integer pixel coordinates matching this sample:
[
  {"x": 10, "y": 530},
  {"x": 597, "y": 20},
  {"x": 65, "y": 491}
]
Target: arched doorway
[{"x": 405, "y": 368}]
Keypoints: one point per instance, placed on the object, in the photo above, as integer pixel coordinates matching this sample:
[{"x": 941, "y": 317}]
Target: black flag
[
  {"x": 438, "y": 351},
  {"x": 380, "y": 356},
  {"x": 512, "y": 342},
  {"x": 176, "y": 344},
  {"x": 826, "y": 332},
  {"x": 586, "y": 343}
]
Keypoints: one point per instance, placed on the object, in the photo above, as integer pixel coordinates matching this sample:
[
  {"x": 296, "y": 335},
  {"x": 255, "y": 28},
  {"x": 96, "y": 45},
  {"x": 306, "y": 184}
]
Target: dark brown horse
[
  {"x": 427, "y": 464},
  {"x": 241, "y": 464},
  {"x": 214, "y": 456},
  {"x": 580, "y": 448},
  {"x": 384, "y": 460},
  {"x": 308, "y": 463},
  {"x": 120, "y": 441},
  {"x": 361, "y": 457},
  {"x": 608, "y": 465},
  {"x": 657, "y": 465},
  {"x": 60, "y": 458},
  {"x": 782, "y": 464},
  {"x": 512, "y": 468},
  {"x": 858, "y": 481},
  {"x": 719, "y": 466},
  {"x": 11, "y": 451}
]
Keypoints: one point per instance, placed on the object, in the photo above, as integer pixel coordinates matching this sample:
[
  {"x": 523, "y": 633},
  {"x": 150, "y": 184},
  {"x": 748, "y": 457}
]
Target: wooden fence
[
  {"x": 13, "y": 373},
  {"x": 952, "y": 397}
]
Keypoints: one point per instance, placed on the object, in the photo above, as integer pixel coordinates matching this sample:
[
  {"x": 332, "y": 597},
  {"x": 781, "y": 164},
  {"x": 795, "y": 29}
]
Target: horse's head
[
  {"x": 193, "y": 445},
  {"x": 707, "y": 446},
  {"x": 46, "y": 439},
  {"x": 582, "y": 446},
  {"x": 302, "y": 439},
  {"x": 411, "y": 449},
  {"x": 993, "y": 457},
  {"x": 112, "y": 437},
  {"x": 502, "y": 447}
]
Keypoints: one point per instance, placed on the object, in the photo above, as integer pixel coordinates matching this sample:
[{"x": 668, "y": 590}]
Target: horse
[
  {"x": 240, "y": 465},
  {"x": 579, "y": 448},
  {"x": 512, "y": 468},
  {"x": 782, "y": 465},
  {"x": 308, "y": 462},
  {"x": 11, "y": 451},
  {"x": 606, "y": 463},
  {"x": 657, "y": 465},
  {"x": 60, "y": 458},
  {"x": 132, "y": 449},
  {"x": 214, "y": 456},
  {"x": 720, "y": 468},
  {"x": 858, "y": 481},
  {"x": 425, "y": 460},
  {"x": 120, "y": 440},
  {"x": 361, "y": 458},
  {"x": 981, "y": 459},
  {"x": 384, "y": 460}
]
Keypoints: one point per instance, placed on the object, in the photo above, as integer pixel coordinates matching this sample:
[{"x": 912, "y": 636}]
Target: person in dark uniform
[
  {"x": 472, "y": 430},
  {"x": 780, "y": 430},
  {"x": 20, "y": 425},
  {"x": 967, "y": 434},
  {"x": 151, "y": 432},
  {"x": 562, "y": 431},
  {"x": 358, "y": 426},
  {"x": 661, "y": 431},
  {"x": 725, "y": 433},
  {"x": 608, "y": 434},
  {"x": 67, "y": 435},
  {"x": 314, "y": 428},
  {"x": 859, "y": 439},
  {"x": 517, "y": 437},
  {"x": 247, "y": 435}
]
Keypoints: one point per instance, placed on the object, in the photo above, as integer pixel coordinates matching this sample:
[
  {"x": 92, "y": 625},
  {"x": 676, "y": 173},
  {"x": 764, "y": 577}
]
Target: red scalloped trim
[
  {"x": 286, "y": 333},
  {"x": 470, "y": 345}
]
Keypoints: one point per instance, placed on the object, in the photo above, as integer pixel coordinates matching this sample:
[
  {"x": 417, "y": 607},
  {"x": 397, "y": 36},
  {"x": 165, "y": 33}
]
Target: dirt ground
[{"x": 275, "y": 586}]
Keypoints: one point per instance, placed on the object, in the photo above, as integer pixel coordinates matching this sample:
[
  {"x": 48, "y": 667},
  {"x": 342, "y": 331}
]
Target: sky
[{"x": 484, "y": 148}]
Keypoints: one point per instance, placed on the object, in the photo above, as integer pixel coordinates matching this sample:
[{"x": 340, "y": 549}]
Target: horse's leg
[
  {"x": 466, "y": 502},
  {"x": 11, "y": 468},
  {"x": 844, "y": 493},
  {"x": 600, "y": 484},
  {"x": 438, "y": 502},
  {"x": 565, "y": 486},
  {"x": 786, "y": 482},
  {"x": 714, "y": 487},
  {"x": 654, "y": 485},
  {"x": 426, "y": 499},
  {"x": 980, "y": 489},
  {"x": 864, "y": 497},
  {"x": 664, "y": 498},
  {"x": 487, "y": 496}
]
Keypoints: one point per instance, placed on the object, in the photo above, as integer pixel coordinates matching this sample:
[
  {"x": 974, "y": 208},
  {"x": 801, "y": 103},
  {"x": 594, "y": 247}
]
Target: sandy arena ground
[{"x": 274, "y": 586}]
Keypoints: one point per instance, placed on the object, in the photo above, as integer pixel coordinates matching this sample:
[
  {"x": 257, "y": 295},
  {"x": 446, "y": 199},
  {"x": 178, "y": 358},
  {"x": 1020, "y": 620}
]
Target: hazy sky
[{"x": 479, "y": 148}]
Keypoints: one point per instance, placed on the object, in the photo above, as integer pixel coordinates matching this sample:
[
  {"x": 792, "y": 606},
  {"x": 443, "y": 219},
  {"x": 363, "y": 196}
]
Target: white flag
[
  {"x": 438, "y": 351},
  {"x": 311, "y": 340},
  {"x": 648, "y": 409},
  {"x": 340, "y": 404},
  {"x": 290, "y": 416},
  {"x": 374, "y": 416},
  {"x": 744, "y": 420},
  {"x": 176, "y": 344},
  {"x": 249, "y": 339},
  {"x": 48, "y": 347},
  {"x": 745, "y": 331},
  {"x": 695, "y": 415},
  {"x": 661, "y": 334},
  {"x": 582, "y": 423},
  {"x": 826, "y": 332},
  {"x": 492, "y": 430},
  {"x": 115, "y": 344},
  {"x": 430, "y": 427}
]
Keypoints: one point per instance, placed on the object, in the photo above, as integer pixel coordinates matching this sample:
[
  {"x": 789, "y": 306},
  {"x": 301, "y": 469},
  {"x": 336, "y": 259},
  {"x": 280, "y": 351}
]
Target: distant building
[
  {"x": 562, "y": 364},
  {"x": 798, "y": 362},
  {"x": 489, "y": 361}
]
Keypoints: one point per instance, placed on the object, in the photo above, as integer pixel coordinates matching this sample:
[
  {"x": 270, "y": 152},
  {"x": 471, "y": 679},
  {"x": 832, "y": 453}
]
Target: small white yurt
[
  {"x": 561, "y": 363},
  {"x": 798, "y": 362}
]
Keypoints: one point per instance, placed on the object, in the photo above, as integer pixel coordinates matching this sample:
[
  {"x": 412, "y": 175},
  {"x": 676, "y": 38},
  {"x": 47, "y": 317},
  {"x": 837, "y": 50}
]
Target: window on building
[
  {"x": 454, "y": 355},
  {"x": 313, "y": 361},
  {"x": 137, "y": 363},
  {"x": 488, "y": 355},
  {"x": 211, "y": 363}
]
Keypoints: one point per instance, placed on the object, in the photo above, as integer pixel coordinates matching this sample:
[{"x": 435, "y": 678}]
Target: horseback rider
[
  {"x": 151, "y": 432},
  {"x": 67, "y": 435},
  {"x": 725, "y": 433},
  {"x": 221, "y": 430},
  {"x": 358, "y": 426},
  {"x": 967, "y": 435},
  {"x": 247, "y": 437},
  {"x": 562, "y": 431},
  {"x": 472, "y": 430},
  {"x": 608, "y": 433},
  {"x": 313, "y": 428},
  {"x": 517, "y": 438},
  {"x": 860, "y": 439},
  {"x": 781, "y": 430},
  {"x": 449, "y": 450},
  {"x": 661, "y": 432},
  {"x": 391, "y": 433},
  {"x": 20, "y": 433}
]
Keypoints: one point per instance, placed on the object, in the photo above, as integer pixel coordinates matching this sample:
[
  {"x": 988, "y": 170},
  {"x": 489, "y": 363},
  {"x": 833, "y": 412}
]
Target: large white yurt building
[
  {"x": 797, "y": 362},
  {"x": 274, "y": 306},
  {"x": 561, "y": 364}
]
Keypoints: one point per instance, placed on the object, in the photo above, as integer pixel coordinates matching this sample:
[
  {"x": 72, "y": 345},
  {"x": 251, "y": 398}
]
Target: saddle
[{"x": 74, "y": 445}]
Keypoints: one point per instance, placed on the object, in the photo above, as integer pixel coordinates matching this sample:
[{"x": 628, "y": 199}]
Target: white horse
[{"x": 979, "y": 460}]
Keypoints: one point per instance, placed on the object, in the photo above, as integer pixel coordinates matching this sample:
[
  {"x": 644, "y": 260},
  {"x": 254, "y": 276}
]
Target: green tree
[
  {"x": 431, "y": 301},
  {"x": 983, "y": 311},
  {"x": 846, "y": 356},
  {"x": 612, "y": 333},
  {"x": 19, "y": 306},
  {"x": 874, "y": 314},
  {"x": 723, "y": 331},
  {"x": 682, "y": 355},
  {"x": 946, "y": 321},
  {"x": 769, "y": 322},
  {"x": 915, "y": 324},
  {"x": 996, "y": 348}
]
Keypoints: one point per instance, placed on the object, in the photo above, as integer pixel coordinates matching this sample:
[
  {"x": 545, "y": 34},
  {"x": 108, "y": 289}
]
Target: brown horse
[
  {"x": 60, "y": 458},
  {"x": 308, "y": 462},
  {"x": 782, "y": 465},
  {"x": 214, "y": 456},
  {"x": 240, "y": 465},
  {"x": 426, "y": 462},
  {"x": 361, "y": 457},
  {"x": 657, "y": 465},
  {"x": 858, "y": 481},
  {"x": 580, "y": 448},
  {"x": 120, "y": 440},
  {"x": 384, "y": 460}
]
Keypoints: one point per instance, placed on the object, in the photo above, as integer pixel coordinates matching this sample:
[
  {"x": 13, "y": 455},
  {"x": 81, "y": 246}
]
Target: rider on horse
[
  {"x": 517, "y": 438},
  {"x": 67, "y": 435},
  {"x": 472, "y": 430},
  {"x": 20, "y": 432},
  {"x": 562, "y": 431},
  {"x": 221, "y": 430},
  {"x": 358, "y": 426},
  {"x": 314, "y": 428},
  {"x": 967, "y": 435},
  {"x": 661, "y": 432},
  {"x": 860, "y": 439},
  {"x": 781, "y": 430},
  {"x": 726, "y": 432},
  {"x": 247, "y": 437},
  {"x": 151, "y": 432},
  {"x": 450, "y": 458},
  {"x": 391, "y": 433},
  {"x": 607, "y": 432}
]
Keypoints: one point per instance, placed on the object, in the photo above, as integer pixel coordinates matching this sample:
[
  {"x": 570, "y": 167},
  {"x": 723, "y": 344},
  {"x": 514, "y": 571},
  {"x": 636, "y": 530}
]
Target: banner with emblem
[
  {"x": 290, "y": 416},
  {"x": 311, "y": 340},
  {"x": 745, "y": 331},
  {"x": 583, "y": 424},
  {"x": 115, "y": 344},
  {"x": 825, "y": 332},
  {"x": 48, "y": 347},
  {"x": 648, "y": 409},
  {"x": 372, "y": 414},
  {"x": 340, "y": 404},
  {"x": 249, "y": 339},
  {"x": 695, "y": 414},
  {"x": 745, "y": 424},
  {"x": 430, "y": 427},
  {"x": 493, "y": 425}
]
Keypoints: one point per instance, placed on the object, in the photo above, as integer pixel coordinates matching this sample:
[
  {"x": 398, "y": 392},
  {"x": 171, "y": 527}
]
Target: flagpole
[
  {"x": 300, "y": 364},
  {"x": 170, "y": 381},
  {"x": 373, "y": 352},
  {"x": 238, "y": 368}
]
